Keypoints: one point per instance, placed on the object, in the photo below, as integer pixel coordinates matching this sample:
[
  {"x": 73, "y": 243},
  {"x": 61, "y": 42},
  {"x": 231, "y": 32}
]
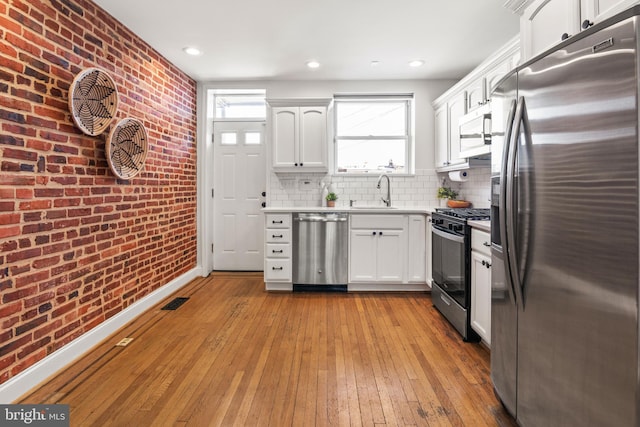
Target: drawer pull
[
  {"x": 277, "y": 236},
  {"x": 277, "y": 268},
  {"x": 276, "y": 222},
  {"x": 277, "y": 251},
  {"x": 487, "y": 244}
]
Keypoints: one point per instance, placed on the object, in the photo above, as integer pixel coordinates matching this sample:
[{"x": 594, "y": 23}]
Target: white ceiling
[{"x": 272, "y": 40}]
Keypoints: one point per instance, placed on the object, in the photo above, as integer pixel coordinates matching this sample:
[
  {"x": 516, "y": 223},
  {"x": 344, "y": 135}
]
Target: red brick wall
[{"x": 78, "y": 245}]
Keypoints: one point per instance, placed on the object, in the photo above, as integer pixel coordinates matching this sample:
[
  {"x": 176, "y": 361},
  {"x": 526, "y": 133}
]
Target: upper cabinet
[
  {"x": 299, "y": 129},
  {"x": 470, "y": 93},
  {"x": 545, "y": 23}
]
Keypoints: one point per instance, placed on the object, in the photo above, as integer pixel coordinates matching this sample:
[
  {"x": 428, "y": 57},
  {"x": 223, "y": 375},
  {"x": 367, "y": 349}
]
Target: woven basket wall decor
[
  {"x": 126, "y": 148},
  {"x": 93, "y": 100}
]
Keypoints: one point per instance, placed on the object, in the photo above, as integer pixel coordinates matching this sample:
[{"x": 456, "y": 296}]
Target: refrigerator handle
[
  {"x": 502, "y": 197},
  {"x": 511, "y": 209}
]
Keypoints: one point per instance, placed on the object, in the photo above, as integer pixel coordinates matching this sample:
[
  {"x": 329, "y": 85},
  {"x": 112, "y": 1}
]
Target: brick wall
[{"x": 78, "y": 245}]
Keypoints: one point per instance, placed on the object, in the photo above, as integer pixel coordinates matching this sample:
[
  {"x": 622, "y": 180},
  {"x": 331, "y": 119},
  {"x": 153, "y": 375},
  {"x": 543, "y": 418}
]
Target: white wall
[{"x": 419, "y": 190}]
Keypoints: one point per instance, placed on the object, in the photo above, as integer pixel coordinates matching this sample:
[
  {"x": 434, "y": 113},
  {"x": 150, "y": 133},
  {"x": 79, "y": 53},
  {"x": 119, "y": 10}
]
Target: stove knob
[{"x": 457, "y": 227}]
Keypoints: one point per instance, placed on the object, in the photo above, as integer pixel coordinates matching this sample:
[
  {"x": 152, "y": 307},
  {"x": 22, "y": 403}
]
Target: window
[
  {"x": 373, "y": 134},
  {"x": 239, "y": 105}
]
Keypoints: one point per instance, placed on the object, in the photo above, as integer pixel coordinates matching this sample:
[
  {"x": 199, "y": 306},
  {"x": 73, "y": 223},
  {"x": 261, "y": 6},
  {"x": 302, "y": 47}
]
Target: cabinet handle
[
  {"x": 276, "y": 222},
  {"x": 488, "y": 265},
  {"x": 586, "y": 24},
  {"x": 487, "y": 244},
  {"x": 277, "y": 251},
  {"x": 264, "y": 204},
  {"x": 276, "y": 268},
  {"x": 374, "y": 233},
  {"x": 301, "y": 164},
  {"x": 264, "y": 194},
  {"x": 295, "y": 164},
  {"x": 564, "y": 36},
  {"x": 381, "y": 233},
  {"x": 277, "y": 236}
]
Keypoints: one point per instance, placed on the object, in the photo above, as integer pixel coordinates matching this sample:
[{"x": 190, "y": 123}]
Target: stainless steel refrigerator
[{"x": 565, "y": 247}]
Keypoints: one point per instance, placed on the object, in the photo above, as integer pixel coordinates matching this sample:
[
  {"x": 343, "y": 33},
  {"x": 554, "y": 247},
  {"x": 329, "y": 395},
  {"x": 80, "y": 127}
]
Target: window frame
[{"x": 408, "y": 137}]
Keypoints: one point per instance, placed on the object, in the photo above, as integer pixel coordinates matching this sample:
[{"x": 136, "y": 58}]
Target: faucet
[{"x": 386, "y": 201}]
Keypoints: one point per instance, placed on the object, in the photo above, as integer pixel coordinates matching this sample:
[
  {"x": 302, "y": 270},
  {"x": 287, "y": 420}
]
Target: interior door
[{"x": 239, "y": 185}]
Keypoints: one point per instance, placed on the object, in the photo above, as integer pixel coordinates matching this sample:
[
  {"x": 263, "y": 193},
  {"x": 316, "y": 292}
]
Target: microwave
[{"x": 475, "y": 132}]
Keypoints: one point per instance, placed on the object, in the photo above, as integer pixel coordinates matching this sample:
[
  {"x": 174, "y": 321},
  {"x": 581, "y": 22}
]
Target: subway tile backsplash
[{"x": 305, "y": 190}]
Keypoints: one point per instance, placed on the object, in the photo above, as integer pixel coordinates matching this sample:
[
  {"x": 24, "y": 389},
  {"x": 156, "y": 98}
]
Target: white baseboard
[{"x": 22, "y": 383}]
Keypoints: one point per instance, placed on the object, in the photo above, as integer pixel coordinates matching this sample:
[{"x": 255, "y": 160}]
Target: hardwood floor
[{"x": 234, "y": 354}]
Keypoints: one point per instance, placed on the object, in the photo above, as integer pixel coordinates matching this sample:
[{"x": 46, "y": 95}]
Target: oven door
[{"x": 449, "y": 264}]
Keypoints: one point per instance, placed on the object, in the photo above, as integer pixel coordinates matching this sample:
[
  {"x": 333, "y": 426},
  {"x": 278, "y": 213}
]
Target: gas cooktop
[{"x": 466, "y": 213}]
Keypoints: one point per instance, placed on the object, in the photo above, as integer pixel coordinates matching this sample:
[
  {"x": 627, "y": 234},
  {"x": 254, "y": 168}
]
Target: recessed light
[
  {"x": 313, "y": 64},
  {"x": 193, "y": 51},
  {"x": 416, "y": 63}
]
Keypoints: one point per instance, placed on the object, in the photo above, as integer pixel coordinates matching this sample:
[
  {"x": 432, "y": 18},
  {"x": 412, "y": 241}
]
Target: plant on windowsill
[{"x": 331, "y": 199}]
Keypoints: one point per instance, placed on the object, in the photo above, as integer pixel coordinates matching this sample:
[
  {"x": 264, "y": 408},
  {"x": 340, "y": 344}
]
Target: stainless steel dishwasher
[{"x": 320, "y": 251}]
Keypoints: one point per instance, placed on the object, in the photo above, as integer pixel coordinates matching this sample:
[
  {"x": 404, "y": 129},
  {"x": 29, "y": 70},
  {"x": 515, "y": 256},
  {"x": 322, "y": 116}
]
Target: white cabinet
[
  {"x": 377, "y": 248},
  {"x": 481, "y": 284},
  {"x": 441, "y": 137},
  {"x": 544, "y": 23},
  {"x": 476, "y": 94},
  {"x": 277, "y": 262},
  {"x": 299, "y": 135},
  {"x": 417, "y": 251},
  {"x": 468, "y": 94}
]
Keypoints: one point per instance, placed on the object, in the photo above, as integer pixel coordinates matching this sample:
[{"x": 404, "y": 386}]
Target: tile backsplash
[{"x": 419, "y": 190}]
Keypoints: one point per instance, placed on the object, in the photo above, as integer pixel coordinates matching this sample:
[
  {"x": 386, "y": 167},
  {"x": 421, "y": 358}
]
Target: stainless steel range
[{"x": 451, "y": 259}]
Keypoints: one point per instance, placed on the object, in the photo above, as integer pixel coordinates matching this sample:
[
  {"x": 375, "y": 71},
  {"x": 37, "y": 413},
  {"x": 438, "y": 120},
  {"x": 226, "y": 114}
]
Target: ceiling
[{"x": 273, "y": 40}]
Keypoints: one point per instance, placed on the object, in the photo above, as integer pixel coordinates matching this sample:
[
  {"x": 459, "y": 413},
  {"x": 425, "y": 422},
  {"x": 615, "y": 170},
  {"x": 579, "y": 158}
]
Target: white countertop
[
  {"x": 353, "y": 210},
  {"x": 480, "y": 225}
]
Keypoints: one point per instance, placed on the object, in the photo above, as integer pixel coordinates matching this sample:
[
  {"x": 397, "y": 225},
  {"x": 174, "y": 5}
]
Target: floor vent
[{"x": 175, "y": 303}]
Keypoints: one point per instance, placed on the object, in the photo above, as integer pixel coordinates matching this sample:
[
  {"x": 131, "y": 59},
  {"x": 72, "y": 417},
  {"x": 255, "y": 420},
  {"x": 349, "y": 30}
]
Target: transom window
[
  {"x": 373, "y": 134},
  {"x": 240, "y": 105}
]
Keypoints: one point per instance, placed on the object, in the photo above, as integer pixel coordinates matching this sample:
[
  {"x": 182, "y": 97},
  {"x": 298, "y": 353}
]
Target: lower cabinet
[
  {"x": 387, "y": 249},
  {"x": 481, "y": 284},
  {"x": 277, "y": 261}
]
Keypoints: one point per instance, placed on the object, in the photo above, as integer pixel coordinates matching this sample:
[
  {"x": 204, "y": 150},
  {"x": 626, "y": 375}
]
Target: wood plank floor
[{"x": 234, "y": 354}]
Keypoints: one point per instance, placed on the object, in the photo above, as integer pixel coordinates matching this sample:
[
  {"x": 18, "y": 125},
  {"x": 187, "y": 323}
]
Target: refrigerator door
[
  {"x": 576, "y": 186},
  {"x": 503, "y": 304}
]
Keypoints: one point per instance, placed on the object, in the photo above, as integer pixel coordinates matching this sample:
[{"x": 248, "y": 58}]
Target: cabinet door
[
  {"x": 543, "y": 23},
  {"x": 313, "y": 137},
  {"x": 494, "y": 75},
  {"x": 441, "y": 154},
  {"x": 417, "y": 256},
  {"x": 457, "y": 107},
  {"x": 285, "y": 135},
  {"x": 476, "y": 95},
  {"x": 391, "y": 255},
  {"x": 481, "y": 295},
  {"x": 362, "y": 256},
  {"x": 598, "y": 10}
]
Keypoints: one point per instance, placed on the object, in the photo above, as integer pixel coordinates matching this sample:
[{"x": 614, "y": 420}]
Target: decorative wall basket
[
  {"x": 93, "y": 100},
  {"x": 126, "y": 148}
]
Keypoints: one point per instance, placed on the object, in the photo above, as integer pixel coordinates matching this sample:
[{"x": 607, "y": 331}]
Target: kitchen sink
[{"x": 383, "y": 208}]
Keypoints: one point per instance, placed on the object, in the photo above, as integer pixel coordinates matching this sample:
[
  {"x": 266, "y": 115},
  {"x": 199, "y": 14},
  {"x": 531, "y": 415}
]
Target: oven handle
[{"x": 448, "y": 236}]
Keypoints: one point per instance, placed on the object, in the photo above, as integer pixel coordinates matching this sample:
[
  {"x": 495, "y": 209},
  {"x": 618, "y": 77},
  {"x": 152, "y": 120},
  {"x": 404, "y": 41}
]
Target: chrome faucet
[{"x": 386, "y": 201}]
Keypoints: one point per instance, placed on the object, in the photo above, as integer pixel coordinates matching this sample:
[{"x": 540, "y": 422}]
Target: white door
[{"x": 239, "y": 183}]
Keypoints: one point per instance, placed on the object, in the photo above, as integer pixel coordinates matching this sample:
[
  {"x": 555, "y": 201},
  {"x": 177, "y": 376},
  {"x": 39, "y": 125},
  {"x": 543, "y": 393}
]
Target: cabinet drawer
[
  {"x": 275, "y": 250},
  {"x": 480, "y": 241},
  {"x": 278, "y": 220},
  {"x": 277, "y": 270},
  {"x": 378, "y": 221},
  {"x": 278, "y": 235}
]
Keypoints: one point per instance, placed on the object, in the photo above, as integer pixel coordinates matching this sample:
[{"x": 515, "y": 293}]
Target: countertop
[
  {"x": 480, "y": 225},
  {"x": 353, "y": 210}
]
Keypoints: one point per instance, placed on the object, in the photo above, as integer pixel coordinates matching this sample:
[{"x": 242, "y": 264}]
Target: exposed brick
[{"x": 78, "y": 245}]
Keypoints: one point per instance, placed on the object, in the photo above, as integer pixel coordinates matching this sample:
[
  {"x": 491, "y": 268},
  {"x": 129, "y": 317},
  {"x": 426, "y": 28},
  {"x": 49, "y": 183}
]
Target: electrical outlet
[{"x": 305, "y": 185}]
